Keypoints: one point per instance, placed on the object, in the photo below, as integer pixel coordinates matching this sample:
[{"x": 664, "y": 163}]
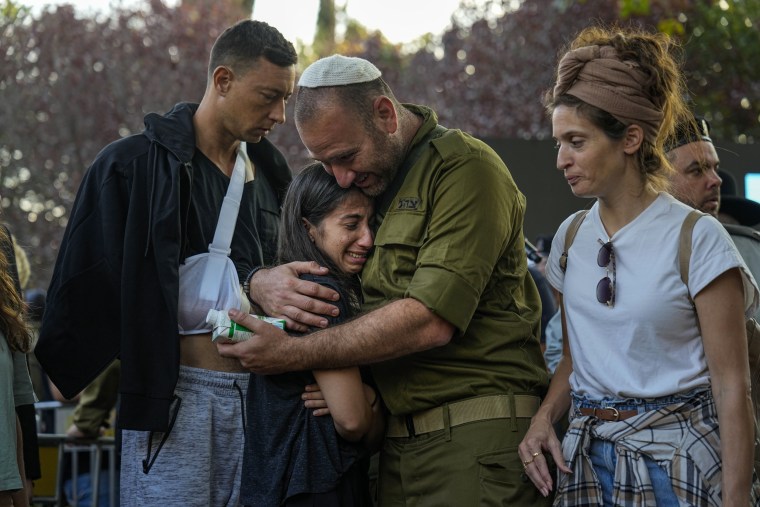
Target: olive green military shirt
[{"x": 452, "y": 239}]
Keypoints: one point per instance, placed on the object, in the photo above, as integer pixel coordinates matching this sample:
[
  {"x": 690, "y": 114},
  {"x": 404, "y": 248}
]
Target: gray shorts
[{"x": 199, "y": 461}]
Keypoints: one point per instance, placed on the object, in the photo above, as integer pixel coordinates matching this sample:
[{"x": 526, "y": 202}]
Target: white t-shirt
[{"x": 648, "y": 345}]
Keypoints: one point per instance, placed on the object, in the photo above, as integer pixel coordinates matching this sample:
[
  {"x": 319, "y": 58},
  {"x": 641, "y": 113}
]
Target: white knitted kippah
[{"x": 338, "y": 70}]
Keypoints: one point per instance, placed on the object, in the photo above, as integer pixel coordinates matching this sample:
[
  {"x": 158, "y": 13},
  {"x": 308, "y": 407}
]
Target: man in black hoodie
[{"x": 147, "y": 204}]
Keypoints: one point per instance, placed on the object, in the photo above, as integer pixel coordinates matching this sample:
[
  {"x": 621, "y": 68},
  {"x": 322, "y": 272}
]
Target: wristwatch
[{"x": 247, "y": 284}]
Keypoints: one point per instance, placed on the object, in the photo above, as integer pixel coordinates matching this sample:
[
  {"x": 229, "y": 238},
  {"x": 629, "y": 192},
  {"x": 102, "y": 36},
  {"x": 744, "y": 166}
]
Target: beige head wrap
[{"x": 597, "y": 76}]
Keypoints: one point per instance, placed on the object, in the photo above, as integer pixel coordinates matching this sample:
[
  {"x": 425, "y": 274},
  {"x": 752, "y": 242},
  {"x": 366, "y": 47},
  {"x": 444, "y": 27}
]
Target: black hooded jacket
[{"x": 114, "y": 290}]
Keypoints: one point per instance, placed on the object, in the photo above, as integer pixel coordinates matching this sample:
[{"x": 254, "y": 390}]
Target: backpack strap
[
  {"x": 572, "y": 230},
  {"x": 751, "y": 325},
  {"x": 684, "y": 254},
  {"x": 684, "y": 246}
]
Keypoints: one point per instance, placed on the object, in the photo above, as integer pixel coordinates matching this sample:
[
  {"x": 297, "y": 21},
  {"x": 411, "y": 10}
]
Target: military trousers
[{"x": 473, "y": 464}]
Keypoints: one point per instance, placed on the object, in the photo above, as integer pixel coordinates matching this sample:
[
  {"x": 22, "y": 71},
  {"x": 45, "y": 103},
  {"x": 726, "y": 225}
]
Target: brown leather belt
[
  {"x": 609, "y": 413},
  {"x": 480, "y": 408}
]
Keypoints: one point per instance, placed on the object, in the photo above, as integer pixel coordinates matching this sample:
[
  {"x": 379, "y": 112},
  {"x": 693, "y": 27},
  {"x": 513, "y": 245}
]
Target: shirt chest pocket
[
  {"x": 397, "y": 246},
  {"x": 402, "y": 229}
]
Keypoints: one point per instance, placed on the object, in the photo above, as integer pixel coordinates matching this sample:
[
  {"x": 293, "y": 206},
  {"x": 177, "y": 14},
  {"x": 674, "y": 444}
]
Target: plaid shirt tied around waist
[{"x": 682, "y": 437}]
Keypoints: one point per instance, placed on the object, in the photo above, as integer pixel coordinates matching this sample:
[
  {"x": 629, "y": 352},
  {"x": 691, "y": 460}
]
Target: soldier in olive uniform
[{"x": 452, "y": 318}]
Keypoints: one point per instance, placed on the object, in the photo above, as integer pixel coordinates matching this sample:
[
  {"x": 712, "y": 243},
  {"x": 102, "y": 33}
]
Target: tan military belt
[{"x": 480, "y": 408}]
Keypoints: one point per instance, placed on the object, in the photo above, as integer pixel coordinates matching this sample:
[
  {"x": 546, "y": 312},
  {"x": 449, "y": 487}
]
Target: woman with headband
[{"x": 654, "y": 371}]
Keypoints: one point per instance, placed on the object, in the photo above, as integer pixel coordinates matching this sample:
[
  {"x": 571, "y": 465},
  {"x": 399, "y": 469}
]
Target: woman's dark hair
[
  {"x": 312, "y": 195},
  {"x": 12, "y": 319}
]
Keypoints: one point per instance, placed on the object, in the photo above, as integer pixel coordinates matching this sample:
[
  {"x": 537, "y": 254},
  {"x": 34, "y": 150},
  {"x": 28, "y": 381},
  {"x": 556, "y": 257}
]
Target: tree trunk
[
  {"x": 324, "y": 37},
  {"x": 247, "y": 5}
]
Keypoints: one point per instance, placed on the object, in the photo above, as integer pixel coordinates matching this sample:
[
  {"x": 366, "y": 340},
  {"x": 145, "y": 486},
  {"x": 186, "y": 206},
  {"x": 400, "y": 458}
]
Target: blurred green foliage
[{"x": 71, "y": 83}]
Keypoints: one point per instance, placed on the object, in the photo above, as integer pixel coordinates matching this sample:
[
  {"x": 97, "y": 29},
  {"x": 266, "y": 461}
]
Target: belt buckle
[
  {"x": 615, "y": 413},
  {"x": 409, "y": 423}
]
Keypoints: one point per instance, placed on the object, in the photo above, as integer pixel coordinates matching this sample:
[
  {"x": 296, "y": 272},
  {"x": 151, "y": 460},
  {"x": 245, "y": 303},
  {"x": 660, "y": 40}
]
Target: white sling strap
[{"x": 219, "y": 249}]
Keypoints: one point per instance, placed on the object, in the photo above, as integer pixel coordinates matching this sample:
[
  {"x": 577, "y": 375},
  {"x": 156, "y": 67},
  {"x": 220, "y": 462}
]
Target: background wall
[{"x": 550, "y": 201}]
